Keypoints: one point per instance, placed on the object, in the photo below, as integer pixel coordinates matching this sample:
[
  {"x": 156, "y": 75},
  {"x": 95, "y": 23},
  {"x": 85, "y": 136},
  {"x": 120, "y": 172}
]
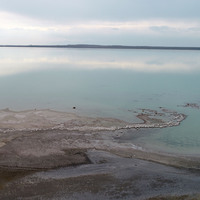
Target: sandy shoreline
[
  {"x": 34, "y": 120},
  {"x": 32, "y": 138},
  {"x": 45, "y": 140},
  {"x": 57, "y": 148}
]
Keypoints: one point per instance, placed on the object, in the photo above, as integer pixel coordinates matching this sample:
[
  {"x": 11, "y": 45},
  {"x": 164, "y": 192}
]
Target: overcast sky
[{"x": 125, "y": 22}]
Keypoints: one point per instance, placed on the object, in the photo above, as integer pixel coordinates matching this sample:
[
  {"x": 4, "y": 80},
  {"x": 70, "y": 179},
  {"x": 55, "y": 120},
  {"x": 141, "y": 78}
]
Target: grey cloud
[
  {"x": 167, "y": 29},
  {"x": 194, "y": 29},
  {"x": 103, "y": 9},
  {"x": 115, "y": 37},
  {"x": 161, "y": 28},
  {"x": 68, "y": 11},
  {"x": 115, "y": 29}
]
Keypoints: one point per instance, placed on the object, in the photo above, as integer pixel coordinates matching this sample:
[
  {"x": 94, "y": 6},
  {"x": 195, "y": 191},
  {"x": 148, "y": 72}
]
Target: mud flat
[{"x": 55, "y": 150}]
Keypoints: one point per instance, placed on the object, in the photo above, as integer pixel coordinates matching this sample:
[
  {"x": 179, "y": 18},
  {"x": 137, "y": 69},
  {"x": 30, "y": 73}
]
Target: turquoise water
[{"x": 107, "y": 83}]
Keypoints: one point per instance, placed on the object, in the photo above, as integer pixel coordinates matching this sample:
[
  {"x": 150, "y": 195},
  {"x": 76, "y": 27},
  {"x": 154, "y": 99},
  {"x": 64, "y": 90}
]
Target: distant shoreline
[{"x": 88, "y": 46}]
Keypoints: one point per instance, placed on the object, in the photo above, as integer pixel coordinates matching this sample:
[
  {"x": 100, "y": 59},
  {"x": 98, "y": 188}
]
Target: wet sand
[{"x": 57, "y": 161}]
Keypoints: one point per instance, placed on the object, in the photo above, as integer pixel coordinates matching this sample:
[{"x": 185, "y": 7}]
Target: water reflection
[{"x": 19, "y": 60}]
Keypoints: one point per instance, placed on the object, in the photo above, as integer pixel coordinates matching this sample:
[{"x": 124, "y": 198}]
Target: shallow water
[
  {"x": 108, "y": 83},
  {"x": 184, "y": 139}
]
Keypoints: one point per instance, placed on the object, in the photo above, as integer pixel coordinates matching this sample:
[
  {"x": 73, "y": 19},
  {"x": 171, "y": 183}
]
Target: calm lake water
[{"x": 108, "y": 83}]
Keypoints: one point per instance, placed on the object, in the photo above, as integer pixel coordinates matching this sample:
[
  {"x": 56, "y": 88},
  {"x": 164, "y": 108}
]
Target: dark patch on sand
[
  {"x": 70, "y": 157},
  {"x": 183, "y": 197},
  {"x": 8, "y": 175}
]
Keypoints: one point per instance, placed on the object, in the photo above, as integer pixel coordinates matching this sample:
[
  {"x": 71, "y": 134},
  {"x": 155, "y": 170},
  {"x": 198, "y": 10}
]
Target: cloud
[
  {"x": 19, "y": 29},
  {"x": 194, "y": 29},
  {"x": 161, "y": 28},
  {"x": 15, "y": 21},
  {"x": 108, "y": 10}
]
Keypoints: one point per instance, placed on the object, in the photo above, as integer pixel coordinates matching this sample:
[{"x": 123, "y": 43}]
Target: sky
[{"x": 122, "y": 22}]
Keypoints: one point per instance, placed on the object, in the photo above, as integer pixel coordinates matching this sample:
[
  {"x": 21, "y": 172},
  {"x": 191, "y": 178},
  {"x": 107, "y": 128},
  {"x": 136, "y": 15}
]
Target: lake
[{"x": 108, "y": 83}]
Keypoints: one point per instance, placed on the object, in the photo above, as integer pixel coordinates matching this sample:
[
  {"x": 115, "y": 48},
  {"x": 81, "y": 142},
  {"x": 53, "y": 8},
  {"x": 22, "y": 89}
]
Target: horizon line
[{"x": 94, "y": 46}]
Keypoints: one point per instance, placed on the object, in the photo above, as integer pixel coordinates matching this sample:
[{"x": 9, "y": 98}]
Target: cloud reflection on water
[{"x": 28, "y": 60}]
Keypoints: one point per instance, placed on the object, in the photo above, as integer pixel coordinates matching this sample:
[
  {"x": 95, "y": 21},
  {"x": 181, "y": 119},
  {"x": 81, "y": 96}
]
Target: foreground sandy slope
[{"x": 46, "y": 154}]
